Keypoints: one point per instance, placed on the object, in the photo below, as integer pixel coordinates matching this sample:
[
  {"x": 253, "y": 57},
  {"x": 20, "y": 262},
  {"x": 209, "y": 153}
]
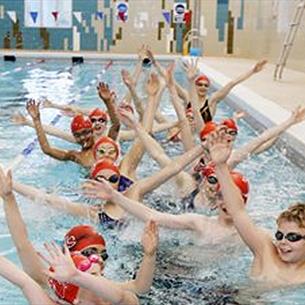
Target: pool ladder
[
  {"x": 192, "y": 34},
  {"x": 289, "y": 39}
]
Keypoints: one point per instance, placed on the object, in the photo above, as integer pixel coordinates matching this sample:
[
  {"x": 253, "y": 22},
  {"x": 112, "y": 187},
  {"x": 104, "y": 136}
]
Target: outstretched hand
[
  {"x": 98, "y": 189},
  {"x": 153, "y": 84},
  {"x": 104, "y": 92},
  {"x": 33, "y": 109},
  {"x": 6, "y": 184},
  {"x": 61, "y": 264},
  {"x": 127, "y": 79},
  {"x": 191, "y": 68},
  {"x": 169, "y": 77},
  {"x": 150, "y": 238},
  {"x": 127, "y": 117},
  {"x": 219, "y": 144},
  {"x": 298, "y": 115},
  {"x": 47, "y": 104},
  {"x": 259, "y": 66},
  {"x": 19, "y": 119}
]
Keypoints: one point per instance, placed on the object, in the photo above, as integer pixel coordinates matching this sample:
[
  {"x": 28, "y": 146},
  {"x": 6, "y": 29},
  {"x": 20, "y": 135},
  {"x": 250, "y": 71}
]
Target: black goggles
[
  {"x": 291, "y": 236},
  {"x": 94, "y": 120},
  {"x": 101, "y": 253},
  {"x": 212, "y": 179},
  {"x": 231, "y": 132},
  {"x": 112, "y": 179}
]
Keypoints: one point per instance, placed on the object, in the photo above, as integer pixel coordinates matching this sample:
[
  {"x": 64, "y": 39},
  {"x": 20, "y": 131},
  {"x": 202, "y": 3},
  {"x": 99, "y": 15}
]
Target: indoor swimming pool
[{"x": 186, "y": 272}]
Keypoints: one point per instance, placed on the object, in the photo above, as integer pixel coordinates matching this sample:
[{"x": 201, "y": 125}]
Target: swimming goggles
[
  {"x": 291, "y": 236},
  {"x": 212, "y": 179},
  {"x": 112, "y": 179},
  {"x": 94, "y": 251},
  {"x": 94, "y": 120}
]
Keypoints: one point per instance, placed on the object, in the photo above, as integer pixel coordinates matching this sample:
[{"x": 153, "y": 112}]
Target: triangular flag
[
  {"x": 34, "y": 16},
  {"x": 78, "y": 16},
  {"x": 99, "y": 15},
  {"x": 121, "y": 16},
  {"x": 167, "y": 16},
  {"x": 55, "y": 15},
  {"x": 12, "y": 15}
]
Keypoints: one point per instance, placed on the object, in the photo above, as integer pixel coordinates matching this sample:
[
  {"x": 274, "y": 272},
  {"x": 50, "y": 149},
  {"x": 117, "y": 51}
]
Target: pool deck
[
  {"x": 287, "y": 93},
  {"x": 266, "y": 102}
]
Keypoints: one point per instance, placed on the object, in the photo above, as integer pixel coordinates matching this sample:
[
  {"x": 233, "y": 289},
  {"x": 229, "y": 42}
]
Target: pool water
[{"x": 186, "y": 273}]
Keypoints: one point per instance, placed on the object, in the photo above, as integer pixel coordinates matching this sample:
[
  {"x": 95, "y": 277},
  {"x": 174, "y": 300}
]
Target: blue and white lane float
[
  {"x": 18, "y": 69},
  {"x": 30, "y": 147}
]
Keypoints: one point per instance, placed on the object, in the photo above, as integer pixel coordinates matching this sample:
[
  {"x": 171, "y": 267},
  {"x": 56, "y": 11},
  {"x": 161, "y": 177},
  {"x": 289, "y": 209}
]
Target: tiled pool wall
[{"x": 242, "y": 28}]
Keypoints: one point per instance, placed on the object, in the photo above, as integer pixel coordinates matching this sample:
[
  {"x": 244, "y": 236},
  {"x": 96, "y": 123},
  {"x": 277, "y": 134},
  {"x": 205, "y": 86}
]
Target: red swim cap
[
  {"x": 83, "y": 236},
  {"x": 65, "y": 291},
  {"x": 98, "y": 113},
  {"x": 208, "y": 127},
  {"x": 104, "y": 139},
  {"x": 208, "y": 170},
  {"x": 79, "y": 122},
  {"x": 230, "y": 123},
  {"x": 237, "y": 177},
  {"x": 242, "y": 184},
  {"x": 202, "y": 77},
  {"x": 103, "y": 164}
]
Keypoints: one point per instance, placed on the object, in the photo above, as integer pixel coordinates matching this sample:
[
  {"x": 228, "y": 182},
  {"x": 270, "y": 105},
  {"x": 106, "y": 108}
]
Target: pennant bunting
[
  {"x": 12, "y": 15},
  {"x": 78, "y": 16},
  {"x": 55, "y": 15},
  {"x": 34, "y": 16},
  {"x": 99, "y": 15},
  {"x": 167, "y": 16}
]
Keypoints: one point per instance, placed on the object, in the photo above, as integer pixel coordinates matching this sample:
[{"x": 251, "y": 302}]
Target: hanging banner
[
  {"x": 122, "y": 11},
  {"x": 167, "y": 16},
  {"x": 12, "y": 15},
  {"x": 179, "y": 12}
]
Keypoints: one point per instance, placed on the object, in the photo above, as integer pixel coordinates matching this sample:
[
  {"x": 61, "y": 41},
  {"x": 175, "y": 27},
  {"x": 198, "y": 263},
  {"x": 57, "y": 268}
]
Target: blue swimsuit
[{"x": 105, "y": 219}]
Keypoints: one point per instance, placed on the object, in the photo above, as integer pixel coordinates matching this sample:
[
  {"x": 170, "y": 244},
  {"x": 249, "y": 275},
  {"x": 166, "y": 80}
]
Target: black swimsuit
[{"x": 204, "y": 110}]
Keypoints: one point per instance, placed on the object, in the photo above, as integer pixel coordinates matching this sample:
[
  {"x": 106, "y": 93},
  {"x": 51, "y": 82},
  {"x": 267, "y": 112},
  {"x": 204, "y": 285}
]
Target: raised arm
[
  {"x": 131, "y": 160},
  {"x": 223, "y": 92},
  {"x": 191, "y": 69},
  {"x": 150, "y": 240},
  {"x": 297, "y": 116},
  {"x": 20, "y": 119},
  {"x": 30, "y": 261},
  {"x": 108, "y": 97},
  {"x": 33, "y": 109},
  {"x": 56, "y": 202},
  {"x": 130, "y": 84},
  {"x": 126, "y": 135},
  {"x": 220, "y": 149},
  {"x": 104, "y": 191},
  {"x": 65, "y": 271},
  {"x": 186, "y": 133},
  {"x": 30, "y": 288},
  {"x": 66, "y": 108},
  {"x": 183, "y": 94}
]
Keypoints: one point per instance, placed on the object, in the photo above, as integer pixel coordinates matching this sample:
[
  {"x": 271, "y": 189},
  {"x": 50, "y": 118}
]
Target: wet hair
[{"x": 295, "y": 213}]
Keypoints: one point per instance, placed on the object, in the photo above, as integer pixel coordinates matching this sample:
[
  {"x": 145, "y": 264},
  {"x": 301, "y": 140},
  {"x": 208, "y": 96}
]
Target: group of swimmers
[{"x": 204, "y": 175}]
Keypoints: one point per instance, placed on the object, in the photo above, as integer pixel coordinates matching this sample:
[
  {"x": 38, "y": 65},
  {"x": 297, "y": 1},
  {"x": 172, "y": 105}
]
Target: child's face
[{"x": 290, "y": 242}]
